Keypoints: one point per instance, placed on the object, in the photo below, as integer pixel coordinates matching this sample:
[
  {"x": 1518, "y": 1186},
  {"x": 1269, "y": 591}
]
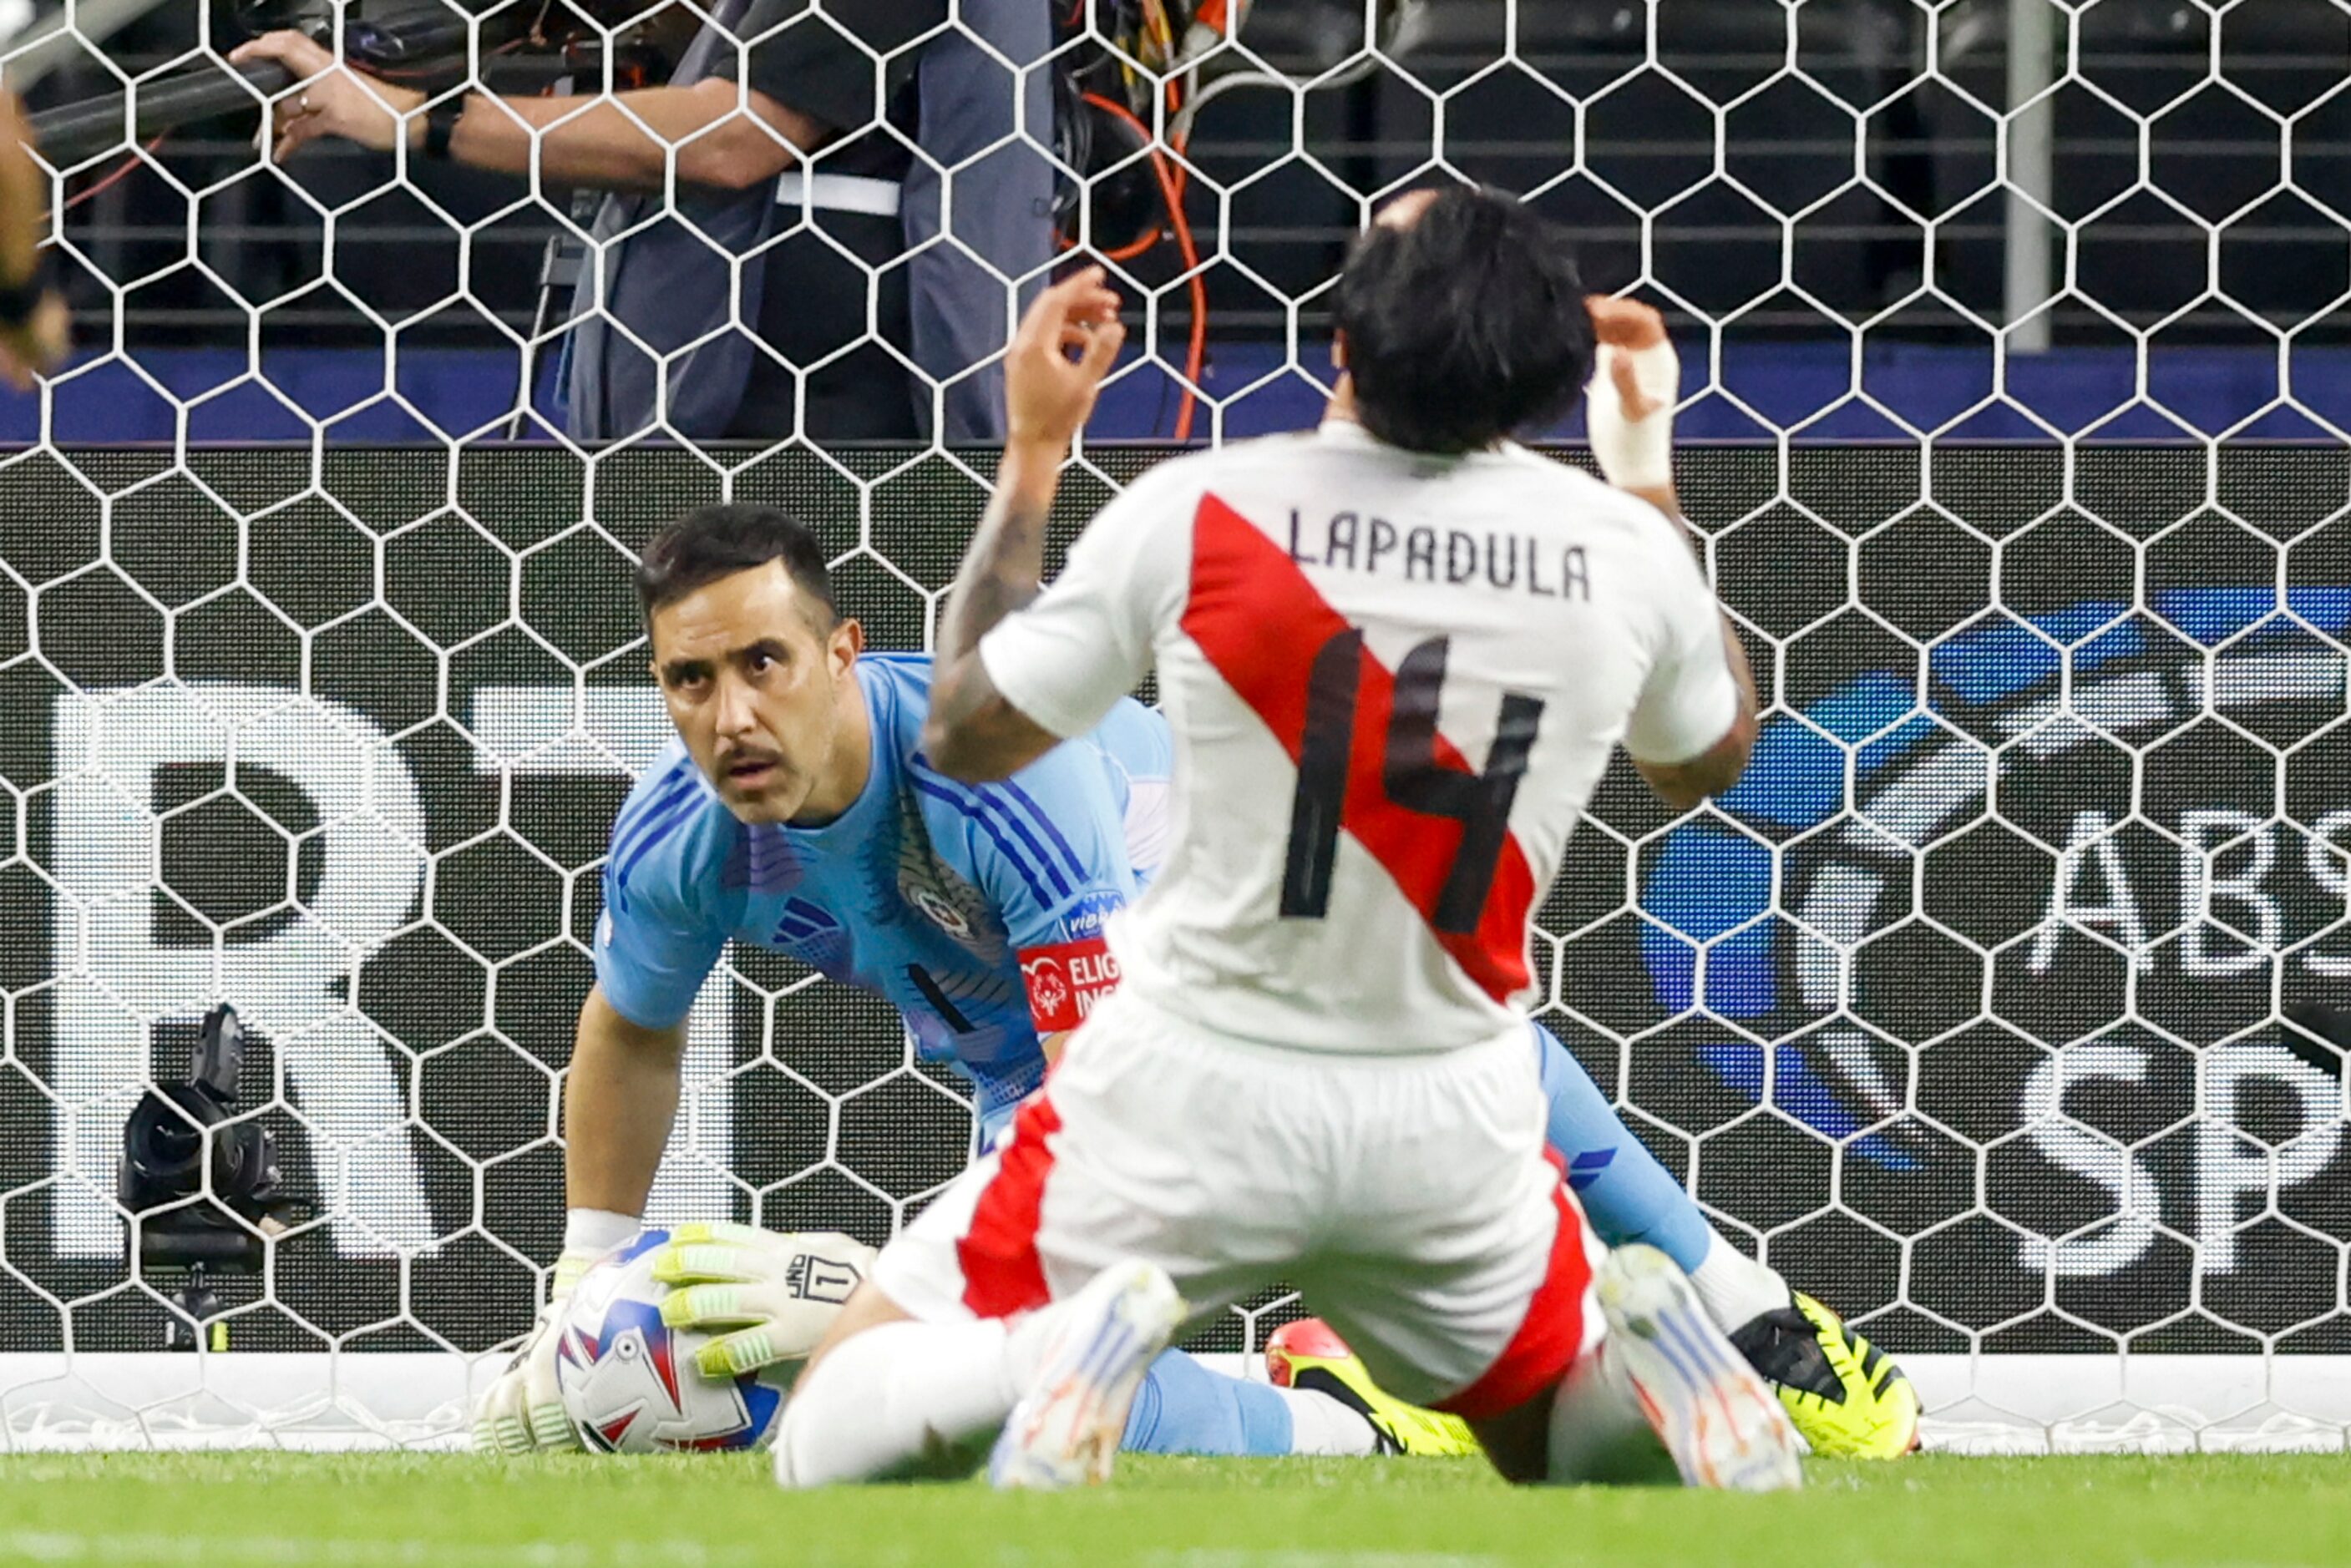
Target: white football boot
[
  {"x": 1066, "y": 1429},
  {"x": 1715, "y": 1414}
]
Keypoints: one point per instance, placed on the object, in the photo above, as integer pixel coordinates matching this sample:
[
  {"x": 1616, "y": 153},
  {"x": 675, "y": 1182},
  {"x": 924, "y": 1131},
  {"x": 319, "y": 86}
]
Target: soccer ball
[{"x": 628, "y": 1379}]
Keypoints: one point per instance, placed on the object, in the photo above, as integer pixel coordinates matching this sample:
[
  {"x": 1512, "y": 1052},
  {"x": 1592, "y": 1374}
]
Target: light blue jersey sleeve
[
  {"x": 660, "y": 936},
  {"x": 1139, "y": 754},
  {"x": 1137, "y": 742},
  {"x": 1048, "y": 846}
]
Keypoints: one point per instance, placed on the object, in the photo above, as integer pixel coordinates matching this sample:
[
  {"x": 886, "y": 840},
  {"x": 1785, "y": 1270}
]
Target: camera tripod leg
[{"x": 196, "y": 1318}]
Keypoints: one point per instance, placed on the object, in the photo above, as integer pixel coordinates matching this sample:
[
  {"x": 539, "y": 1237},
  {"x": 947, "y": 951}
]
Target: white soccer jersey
[{"x": 1394, "y": 681}]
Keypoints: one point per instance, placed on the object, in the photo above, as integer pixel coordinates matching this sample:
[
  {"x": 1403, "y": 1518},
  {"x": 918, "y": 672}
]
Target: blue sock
[
  {"x": 1185, "y": 1409},
  {"x": 1625, "y": 1193}
]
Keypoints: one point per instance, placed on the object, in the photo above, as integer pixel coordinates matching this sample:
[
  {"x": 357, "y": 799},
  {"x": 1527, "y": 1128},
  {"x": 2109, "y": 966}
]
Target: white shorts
[{"x": 1411, "y": 1197}]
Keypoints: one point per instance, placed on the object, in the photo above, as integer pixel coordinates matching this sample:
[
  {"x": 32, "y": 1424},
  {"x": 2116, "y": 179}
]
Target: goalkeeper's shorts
[{"x": 1410, "y": 1196}]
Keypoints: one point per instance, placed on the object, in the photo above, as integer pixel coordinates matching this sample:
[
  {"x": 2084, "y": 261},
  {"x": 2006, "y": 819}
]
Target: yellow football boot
[
  {"x": 1846, "y": 1396},
  {"x": 1308, "y": 1355}
]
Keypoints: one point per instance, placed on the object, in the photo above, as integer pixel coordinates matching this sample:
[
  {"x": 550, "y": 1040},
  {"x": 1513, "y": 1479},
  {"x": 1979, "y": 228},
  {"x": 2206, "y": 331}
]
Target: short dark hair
[
  {"x": 1464, "y": 326},
  {"x": 714, "y": 542}
]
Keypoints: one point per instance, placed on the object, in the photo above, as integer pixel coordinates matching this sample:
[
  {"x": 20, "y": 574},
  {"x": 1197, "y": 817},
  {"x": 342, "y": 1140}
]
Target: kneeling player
[
  {"x": 798, "y": 812},
  {"x": 1314, "y": 1068}
]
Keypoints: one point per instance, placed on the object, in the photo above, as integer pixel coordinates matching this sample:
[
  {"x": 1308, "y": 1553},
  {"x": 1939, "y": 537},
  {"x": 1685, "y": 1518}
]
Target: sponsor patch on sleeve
[
  {"x": 1090, "y": 914},
  {"x": 1065, "y": 980}
]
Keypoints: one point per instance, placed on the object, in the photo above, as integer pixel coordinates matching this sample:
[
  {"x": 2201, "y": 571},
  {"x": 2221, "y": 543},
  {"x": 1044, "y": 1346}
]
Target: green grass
[{"x": 364, "y": 1510}]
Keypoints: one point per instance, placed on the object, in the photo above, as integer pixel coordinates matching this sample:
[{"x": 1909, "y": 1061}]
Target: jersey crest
[{"x": 936, "y": 891}]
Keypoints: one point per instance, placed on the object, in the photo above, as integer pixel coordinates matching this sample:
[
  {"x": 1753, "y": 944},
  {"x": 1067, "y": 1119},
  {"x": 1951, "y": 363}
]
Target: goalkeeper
[{"x": 796, "y": 812}]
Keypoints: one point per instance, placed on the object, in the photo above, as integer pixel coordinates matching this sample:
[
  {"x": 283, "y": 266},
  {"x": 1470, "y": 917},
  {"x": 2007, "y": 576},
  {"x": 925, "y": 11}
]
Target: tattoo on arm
[
  {"x": 971, "y": 726},
  {"x": 1000, "y": 573}
]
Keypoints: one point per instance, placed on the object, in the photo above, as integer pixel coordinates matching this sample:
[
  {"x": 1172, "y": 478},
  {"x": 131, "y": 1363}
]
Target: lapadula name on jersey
[
  {"x": 1355, "y": 542},
  {"x": 2011, "y": 940}
]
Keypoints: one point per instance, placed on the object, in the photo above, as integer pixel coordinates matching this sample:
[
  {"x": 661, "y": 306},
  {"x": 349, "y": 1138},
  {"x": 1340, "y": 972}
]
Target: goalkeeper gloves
[
  {"x": 523, "y": 1410},
  {"x": 766, "y": 1296}
]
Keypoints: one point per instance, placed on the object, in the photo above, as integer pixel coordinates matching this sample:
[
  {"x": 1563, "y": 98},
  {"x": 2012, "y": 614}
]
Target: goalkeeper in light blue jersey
[
  {"x": 796, "y": 812},
  {"x": 932, "y": 895}
]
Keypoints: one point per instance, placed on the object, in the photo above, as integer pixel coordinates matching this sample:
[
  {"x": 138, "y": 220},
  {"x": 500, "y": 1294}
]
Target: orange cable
[
  {"x": 1171, "y": 193},
  {"x": 1196, "y": 356},
  {"x": 397, "y": 74},
  {"x": 125, "y": 167}
]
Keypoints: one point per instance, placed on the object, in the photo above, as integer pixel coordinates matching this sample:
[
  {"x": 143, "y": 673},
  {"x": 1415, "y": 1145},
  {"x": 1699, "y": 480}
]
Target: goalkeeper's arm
[
  {"x": 763, "y": 1297},
  {"x": 620, "y": 1100}
]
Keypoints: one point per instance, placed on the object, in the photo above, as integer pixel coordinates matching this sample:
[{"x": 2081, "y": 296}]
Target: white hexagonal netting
[{"x": 2015, "y": 416}]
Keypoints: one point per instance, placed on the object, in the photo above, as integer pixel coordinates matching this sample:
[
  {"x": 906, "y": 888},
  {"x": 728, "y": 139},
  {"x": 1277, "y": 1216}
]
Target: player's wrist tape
[
  {"x": 597, "y": 1229},
  {"x": 19, "y": 300},
  {"x": 1635, "y": 454}
]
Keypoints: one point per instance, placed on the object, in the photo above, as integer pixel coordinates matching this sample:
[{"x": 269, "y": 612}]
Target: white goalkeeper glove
[
  {"x": 1628, "y": 409},
  {"x": 523, "y": 1410},
  {"x": 766, "y": 1296}
]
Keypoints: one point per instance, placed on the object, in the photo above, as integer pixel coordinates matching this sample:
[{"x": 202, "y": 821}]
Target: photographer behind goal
[{"x": 775, "y": 130}]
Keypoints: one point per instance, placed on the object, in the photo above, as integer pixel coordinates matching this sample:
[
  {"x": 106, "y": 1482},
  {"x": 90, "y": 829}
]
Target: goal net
[{"x": 2014, "y": 428}]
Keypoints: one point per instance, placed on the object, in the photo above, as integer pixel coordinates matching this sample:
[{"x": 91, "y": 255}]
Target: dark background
[
  {"x": 1860, "y": 99},
  {"x": 350, "y": 574}
]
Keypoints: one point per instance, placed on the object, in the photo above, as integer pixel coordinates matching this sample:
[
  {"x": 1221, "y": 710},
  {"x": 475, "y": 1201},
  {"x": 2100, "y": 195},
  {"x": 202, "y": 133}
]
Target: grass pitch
[{"x": 573, "y": 1511}]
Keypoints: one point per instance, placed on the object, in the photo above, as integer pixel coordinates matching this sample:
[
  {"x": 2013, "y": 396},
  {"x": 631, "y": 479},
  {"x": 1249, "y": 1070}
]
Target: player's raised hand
[
  {"x": 1629, "y": 407},
  {"x": 1067, "y": 344},
  {"x": 767, "y": 1295},
  {"x": 523, "y": 1410}
]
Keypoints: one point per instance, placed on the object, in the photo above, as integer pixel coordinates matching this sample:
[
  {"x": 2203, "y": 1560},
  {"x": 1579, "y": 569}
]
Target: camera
[{"x": 202, "y": 1192}]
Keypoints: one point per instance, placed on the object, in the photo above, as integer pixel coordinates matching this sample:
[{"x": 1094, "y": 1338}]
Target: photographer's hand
[{"x": 330, "y": 99}]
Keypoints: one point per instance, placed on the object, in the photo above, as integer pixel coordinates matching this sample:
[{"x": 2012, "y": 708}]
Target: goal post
[{"x": 1966, "y": 1008}]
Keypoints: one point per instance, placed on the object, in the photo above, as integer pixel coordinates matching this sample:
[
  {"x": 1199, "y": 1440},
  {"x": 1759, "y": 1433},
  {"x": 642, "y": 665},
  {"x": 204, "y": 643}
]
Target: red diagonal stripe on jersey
[
  {"x": 1002, "y": 1273},
  {"x": 1260, "y": 621}
]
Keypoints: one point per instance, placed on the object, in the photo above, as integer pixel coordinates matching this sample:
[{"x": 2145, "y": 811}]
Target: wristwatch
[{"x": 440, "y": 125}]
